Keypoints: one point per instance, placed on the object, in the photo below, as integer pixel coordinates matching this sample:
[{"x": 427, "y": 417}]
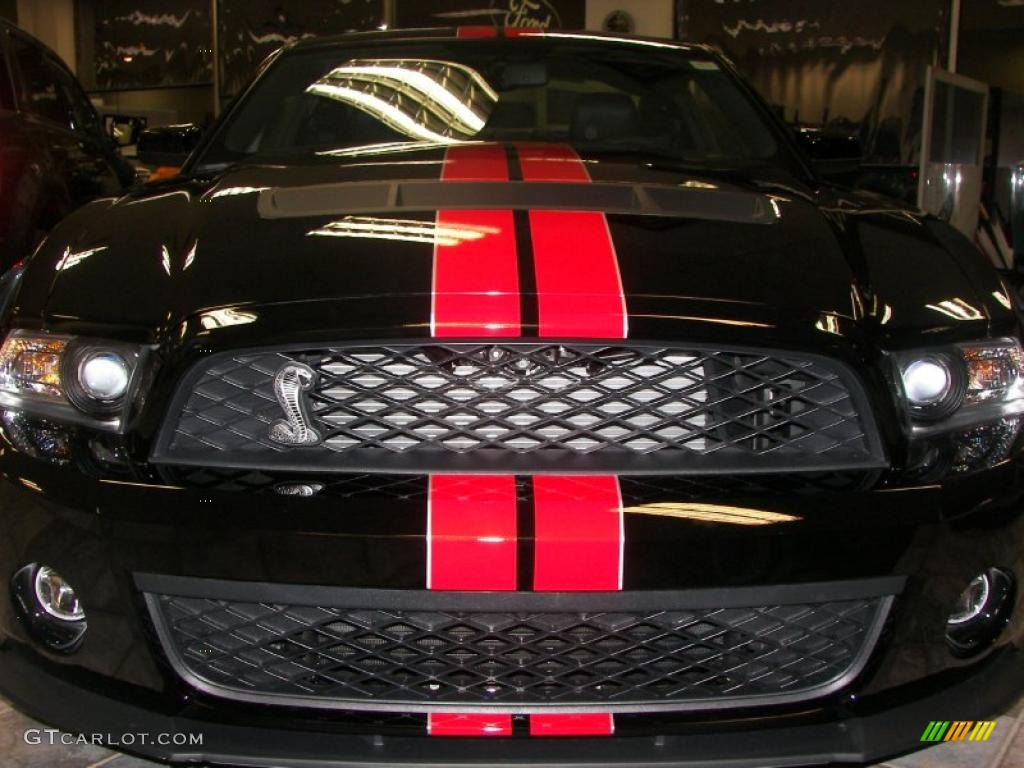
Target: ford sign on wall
[{"x": 543, "y": 14}]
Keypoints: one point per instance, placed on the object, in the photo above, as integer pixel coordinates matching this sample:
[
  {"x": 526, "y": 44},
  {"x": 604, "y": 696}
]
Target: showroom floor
[{"x": 1005, "y": 749}]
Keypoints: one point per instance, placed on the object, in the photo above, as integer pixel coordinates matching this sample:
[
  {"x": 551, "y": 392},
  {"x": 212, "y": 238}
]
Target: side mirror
[
  {"x": 831, "y": 154},
  {"x": 168, "y": 146},
  {"x": 123, "y": 130}
]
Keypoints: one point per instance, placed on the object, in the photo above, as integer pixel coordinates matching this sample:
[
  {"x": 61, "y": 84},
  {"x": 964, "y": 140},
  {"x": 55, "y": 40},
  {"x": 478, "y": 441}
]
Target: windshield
[{"x": 597, "y": 96}]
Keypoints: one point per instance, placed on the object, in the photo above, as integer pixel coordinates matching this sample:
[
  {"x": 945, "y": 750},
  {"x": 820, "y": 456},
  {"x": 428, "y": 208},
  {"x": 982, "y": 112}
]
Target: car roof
[{"x": 483, "y": 33}]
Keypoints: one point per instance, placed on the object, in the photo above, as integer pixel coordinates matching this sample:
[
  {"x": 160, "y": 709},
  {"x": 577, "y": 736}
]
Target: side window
[
  {"x": 41, "y": 93},
  {"x": 83, "y": 115}
]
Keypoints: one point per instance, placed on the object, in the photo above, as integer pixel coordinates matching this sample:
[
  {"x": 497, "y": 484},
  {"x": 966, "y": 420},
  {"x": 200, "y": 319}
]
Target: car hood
[{"x": 753, "y": 254}]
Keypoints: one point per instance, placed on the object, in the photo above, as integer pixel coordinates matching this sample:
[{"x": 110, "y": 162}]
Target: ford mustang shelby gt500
[{"x": 488, "y": 398}]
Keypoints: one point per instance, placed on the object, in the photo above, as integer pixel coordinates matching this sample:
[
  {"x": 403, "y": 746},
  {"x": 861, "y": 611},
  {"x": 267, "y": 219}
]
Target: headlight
[
  {"x": 68, "y": 378},
  {"x": 104, "y": 376},
  {"x": 962, "y": 385},
  {"x": 930, "y": 384}
]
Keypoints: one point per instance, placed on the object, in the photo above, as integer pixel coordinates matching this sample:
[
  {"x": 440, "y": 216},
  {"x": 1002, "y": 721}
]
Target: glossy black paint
[
  {"x": 840, "y": 274},
  {"x": 48, "y": 168},
  {"x": 169, "y": 145}
]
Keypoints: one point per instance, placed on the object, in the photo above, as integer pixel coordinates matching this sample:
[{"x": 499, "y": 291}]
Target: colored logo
[{"x": 959, "y": 730}]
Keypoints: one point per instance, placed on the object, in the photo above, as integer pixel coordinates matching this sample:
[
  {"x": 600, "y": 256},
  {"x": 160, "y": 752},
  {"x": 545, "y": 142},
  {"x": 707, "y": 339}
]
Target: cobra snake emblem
[{"x": 289, "y": 385}]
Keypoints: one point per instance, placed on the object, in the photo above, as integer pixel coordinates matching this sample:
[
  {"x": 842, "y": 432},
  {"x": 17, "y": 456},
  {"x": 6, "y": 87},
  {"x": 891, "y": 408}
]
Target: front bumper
[
  {"x": 861, "y": 734},
  {"x": 102, "y": 533}
]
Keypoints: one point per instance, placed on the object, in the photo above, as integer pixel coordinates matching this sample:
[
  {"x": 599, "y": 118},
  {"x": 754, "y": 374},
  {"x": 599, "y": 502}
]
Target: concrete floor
[{"x": 1005, "y": 749}]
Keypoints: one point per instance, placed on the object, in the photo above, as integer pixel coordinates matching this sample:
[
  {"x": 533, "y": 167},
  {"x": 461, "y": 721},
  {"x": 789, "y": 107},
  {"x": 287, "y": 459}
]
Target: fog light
[
  {"x": 56, "y": 596},
  {"x": 49, "y": 608},
  {"x": 982, "y": 612}
]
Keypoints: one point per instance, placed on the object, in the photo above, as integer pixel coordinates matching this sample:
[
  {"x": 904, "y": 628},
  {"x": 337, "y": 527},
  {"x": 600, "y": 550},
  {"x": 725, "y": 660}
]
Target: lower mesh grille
[{"x": 625, "y": 660}]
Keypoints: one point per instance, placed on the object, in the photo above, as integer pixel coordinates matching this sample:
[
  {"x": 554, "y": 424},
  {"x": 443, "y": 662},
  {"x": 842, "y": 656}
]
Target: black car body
[
  {"x": 55, "y": 156},
  {"x": 530, "y": 443}
]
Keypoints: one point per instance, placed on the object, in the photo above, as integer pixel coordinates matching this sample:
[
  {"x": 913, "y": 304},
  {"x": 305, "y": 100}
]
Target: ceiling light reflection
[
  {"x": 712, "y": 320},
  {"x": 829, "y": 324},
  {"x": 612, "y": 38},
  {"x": 407, "y": 230},
  {"x": 71, "y": 259},
  {"x": 387, "y": 148},
  {"x": 234, "y": 191},
  {"x": 222, "y": 318},
  {"x": 432, "y": 79},
  {"x": 712, "y": 513},
  {"x": 393, "y": 116},
  {"x": 957, "y": 309},
  {"x": 431, "y": 100}
]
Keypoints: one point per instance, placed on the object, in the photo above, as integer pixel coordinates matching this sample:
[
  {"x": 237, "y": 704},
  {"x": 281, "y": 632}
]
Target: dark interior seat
[{"x": 599, "y": 117}]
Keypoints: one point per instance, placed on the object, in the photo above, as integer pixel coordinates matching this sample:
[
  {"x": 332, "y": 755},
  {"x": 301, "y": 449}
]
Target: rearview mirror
[{"x": 168, "y": 146}]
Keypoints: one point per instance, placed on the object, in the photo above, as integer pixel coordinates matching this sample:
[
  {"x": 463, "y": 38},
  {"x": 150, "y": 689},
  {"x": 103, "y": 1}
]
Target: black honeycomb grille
[
  {"x": 532, "y": 407},
  {"x": 326, "y": 656}
]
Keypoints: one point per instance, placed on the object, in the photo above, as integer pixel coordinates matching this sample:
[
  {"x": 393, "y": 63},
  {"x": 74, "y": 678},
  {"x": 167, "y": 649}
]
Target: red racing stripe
[
  {"x": 475, "y": 162},
  {"x": 578, "y": 528},
  {"x": 471, "y": 532},
  {"x": 472, "y": 538},
  {"x": 524, "y": 32},
  {"x": 479, "y": 31},
  {"x": 579, "y": 289},
  {"x": 590, "y": 724},
  {"x": 476, "y": 276},
  {"x": 471, "y": 545},
  {"x": 579, "y": 547},
  {"x": 455, "y": 724}
]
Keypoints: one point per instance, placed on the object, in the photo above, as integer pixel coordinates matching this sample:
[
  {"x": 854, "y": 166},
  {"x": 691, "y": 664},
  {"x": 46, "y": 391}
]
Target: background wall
[
  {"x": 250, "y": 30},
  {"x": 549, "y": 14},
  {"x": 53, "y": 22},
  {"x": 992, "y": 43},
  {"x": 654, "y": 18},
  {"x": 855, "y": 66},
  {"x": 145, "y": 44}
]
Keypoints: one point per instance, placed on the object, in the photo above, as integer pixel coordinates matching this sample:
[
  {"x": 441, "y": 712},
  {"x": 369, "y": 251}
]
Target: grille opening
[
  {"x": 495, "y": 396},
  {"x": 627, "y": 660},
  {"x": 557, "y": 402}
]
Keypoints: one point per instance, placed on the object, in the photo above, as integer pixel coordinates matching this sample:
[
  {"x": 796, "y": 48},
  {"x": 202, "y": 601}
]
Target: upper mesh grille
[{"x": 539, "y": 400}]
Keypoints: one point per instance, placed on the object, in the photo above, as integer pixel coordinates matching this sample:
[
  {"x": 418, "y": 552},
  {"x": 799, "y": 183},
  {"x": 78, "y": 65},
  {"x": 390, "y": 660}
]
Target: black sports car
[
  {"x": 54, "y": 153},
  {"x": 481, "y": 398}
]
